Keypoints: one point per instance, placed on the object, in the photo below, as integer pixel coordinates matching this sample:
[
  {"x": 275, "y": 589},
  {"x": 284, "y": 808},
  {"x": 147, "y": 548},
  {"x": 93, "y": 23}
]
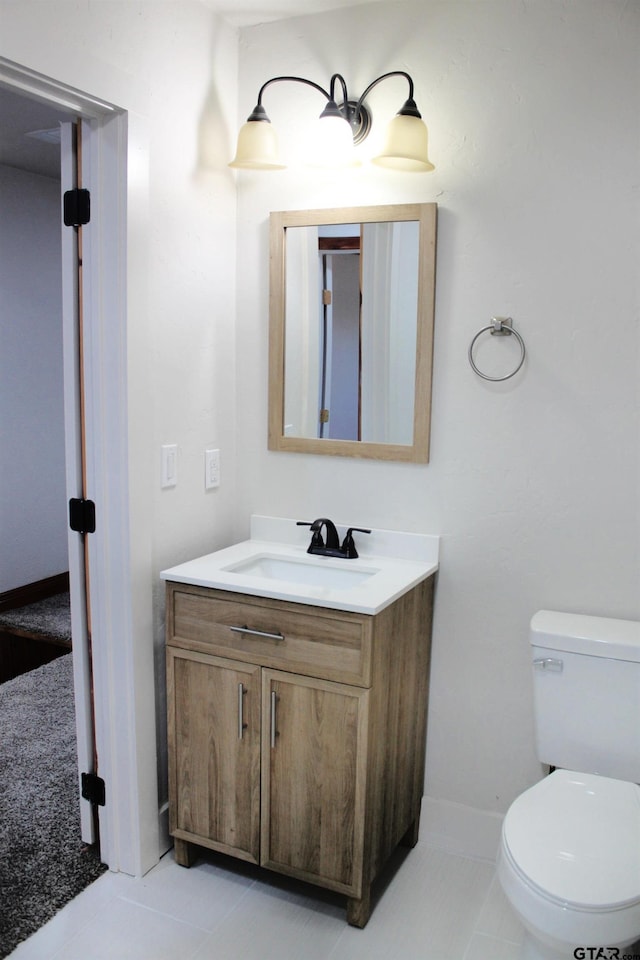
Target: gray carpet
[
  {"x": 50, "y": 617},
  {"x": 43, "y": 862}
]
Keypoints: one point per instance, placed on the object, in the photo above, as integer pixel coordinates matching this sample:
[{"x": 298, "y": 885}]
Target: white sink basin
[
  {"x": 274, "y": 563},
  {"x": 320, "y": 572}
]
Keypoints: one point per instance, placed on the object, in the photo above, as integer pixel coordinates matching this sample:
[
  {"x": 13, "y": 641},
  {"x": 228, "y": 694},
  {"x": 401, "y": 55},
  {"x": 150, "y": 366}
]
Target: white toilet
[{"x": 569, "y": 859}]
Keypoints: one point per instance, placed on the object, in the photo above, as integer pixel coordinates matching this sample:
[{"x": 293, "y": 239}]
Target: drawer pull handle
[
  {"x": 242, "y": 726},
  {"x": 273, "y": 719},
  {"x": 258, "y": 633}
]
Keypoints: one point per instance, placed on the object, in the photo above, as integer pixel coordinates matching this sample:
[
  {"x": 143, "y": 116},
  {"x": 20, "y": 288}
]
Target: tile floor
[{"x": 438, "y": 906}]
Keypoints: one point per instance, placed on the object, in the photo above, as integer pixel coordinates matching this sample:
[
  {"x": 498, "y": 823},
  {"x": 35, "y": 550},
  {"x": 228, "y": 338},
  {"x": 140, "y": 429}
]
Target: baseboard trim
[
  {"x": 32, "y": 592},
  {"x": 452, "y": 827},
  {"x": 459, "y": 829}
]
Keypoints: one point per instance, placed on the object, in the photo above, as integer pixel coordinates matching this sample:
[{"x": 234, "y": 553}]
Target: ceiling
[
  {"x": 248, "y": 12},
  {"x": 21, "y": 116}
]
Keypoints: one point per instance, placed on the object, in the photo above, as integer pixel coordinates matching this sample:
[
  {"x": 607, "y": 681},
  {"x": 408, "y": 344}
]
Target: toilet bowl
[{"x": 569, "y": 863}]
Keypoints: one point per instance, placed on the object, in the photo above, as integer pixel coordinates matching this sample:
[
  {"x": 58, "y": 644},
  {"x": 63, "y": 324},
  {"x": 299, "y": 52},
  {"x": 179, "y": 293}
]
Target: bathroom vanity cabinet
[{"x": 297, "y": 733}]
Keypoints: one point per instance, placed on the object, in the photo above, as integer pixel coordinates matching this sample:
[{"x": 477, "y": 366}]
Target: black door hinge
[
  {"x": 82, "y": 515},
  {"x": 93, "y": 789},
  {"x": 76, "y": 207}
]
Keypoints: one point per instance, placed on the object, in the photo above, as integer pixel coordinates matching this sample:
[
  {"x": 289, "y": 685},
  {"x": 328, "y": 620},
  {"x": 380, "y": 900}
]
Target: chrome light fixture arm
[
  {"x": 309, "y": 83},
  {"x": 354, "y": 112},
  {"x": 409, "y": 107}
]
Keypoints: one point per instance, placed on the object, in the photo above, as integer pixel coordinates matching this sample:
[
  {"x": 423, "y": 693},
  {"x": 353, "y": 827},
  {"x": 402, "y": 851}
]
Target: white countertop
[{"x": 392, "y": 563}]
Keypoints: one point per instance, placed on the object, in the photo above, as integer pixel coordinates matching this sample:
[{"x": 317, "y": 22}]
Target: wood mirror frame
[{"x": 418, "y": 451}]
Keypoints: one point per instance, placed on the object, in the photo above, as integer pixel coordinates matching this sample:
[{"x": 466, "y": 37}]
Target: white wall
[
  {"x": 33, "y": 511},
  {"x": 533, "y": 110}
]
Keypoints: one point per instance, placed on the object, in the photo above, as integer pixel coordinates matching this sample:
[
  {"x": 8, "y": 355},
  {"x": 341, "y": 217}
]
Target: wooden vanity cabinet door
[
  {"x": 214, "y": 770},
  {"x": 313, "y": 779}
]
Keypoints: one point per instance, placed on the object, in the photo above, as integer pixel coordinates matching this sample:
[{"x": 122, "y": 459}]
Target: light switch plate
[{"x": 169, "y": 465}]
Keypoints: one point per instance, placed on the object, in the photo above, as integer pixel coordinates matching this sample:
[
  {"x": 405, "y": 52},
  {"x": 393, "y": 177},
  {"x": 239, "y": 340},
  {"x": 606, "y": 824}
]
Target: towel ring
[{"x": 499, "y": 327}]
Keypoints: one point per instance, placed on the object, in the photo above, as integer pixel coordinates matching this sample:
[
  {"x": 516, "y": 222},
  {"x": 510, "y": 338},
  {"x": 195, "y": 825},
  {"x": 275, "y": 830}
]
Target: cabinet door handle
[
  {"x": 241, "y": 724},
  {"x": 273, "y": 719},
  {"x": 549, "y": 663},
  {"x": 258, "y": 633}
]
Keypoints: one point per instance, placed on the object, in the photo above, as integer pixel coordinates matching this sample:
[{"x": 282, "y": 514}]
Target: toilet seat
[{"x": 575, "y": 839}]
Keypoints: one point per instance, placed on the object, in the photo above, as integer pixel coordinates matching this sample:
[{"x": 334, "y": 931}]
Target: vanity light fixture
[{"x": 340, "y": 127}]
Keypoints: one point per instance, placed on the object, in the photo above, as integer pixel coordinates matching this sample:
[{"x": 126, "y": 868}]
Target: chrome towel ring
[{"x": 499, "y": 327}]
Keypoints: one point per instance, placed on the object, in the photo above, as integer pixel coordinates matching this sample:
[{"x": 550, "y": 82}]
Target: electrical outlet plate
[{"x": 211, "y": 469}]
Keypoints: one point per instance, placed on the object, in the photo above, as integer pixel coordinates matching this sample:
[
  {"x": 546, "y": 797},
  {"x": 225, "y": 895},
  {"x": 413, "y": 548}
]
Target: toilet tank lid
[{"x": 592, "y": 636}]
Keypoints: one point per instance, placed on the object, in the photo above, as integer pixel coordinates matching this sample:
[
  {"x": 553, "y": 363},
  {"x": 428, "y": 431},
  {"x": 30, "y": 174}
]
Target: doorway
[
  {"x": 340, "y": 378},
  {"x": 33, "y": 510},
  {"x": 49, "y": 840},
  {"x": 33, "y": 474},
  {"x": 121, "y": 617}
]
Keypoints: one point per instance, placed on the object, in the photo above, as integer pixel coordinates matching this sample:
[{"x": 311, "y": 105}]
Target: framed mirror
[{"x": 351, "y": 313}]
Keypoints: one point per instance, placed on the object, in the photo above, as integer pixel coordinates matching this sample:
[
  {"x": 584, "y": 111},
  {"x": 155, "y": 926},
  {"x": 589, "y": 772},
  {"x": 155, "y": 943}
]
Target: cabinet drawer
[{"x": 314, "y": 641}]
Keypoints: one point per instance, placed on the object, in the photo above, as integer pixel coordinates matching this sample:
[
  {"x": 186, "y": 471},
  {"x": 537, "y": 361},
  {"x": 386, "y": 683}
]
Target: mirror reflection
[
  {"x": 351, "y": 308},
  {"x": 352, "y": 330}
]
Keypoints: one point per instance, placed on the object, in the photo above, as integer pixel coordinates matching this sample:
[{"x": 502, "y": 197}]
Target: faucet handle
[
  {"x": 316, "y": 539},
  {"x": 348, "y": 544}
]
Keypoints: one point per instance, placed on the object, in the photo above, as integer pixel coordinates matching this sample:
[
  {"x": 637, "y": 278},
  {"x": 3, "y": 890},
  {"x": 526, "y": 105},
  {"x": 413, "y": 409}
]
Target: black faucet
[{"x": 332, "y": 546}]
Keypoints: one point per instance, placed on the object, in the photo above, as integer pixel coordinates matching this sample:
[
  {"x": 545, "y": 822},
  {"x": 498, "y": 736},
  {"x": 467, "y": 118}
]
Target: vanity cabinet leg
[
  {"x": 359, "y": 911},
  {"x": 184, "y": 853},
  {"x": 412, "y": 835}
]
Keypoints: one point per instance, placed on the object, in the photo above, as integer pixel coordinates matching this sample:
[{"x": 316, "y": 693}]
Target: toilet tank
[{"x": 586, "y": 684}]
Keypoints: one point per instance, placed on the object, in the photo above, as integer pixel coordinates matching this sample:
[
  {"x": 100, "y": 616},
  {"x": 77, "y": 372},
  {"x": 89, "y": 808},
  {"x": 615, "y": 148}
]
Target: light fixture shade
[
  {"x": 257, "y": 147},
  {"x": 406, "y": 145},
  {"x": 332, "y": 143}
]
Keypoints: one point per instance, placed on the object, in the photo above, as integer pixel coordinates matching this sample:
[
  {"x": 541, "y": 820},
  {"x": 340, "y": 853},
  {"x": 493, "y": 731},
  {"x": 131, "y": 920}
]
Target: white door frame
[{"x": 122, "y": 670}]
